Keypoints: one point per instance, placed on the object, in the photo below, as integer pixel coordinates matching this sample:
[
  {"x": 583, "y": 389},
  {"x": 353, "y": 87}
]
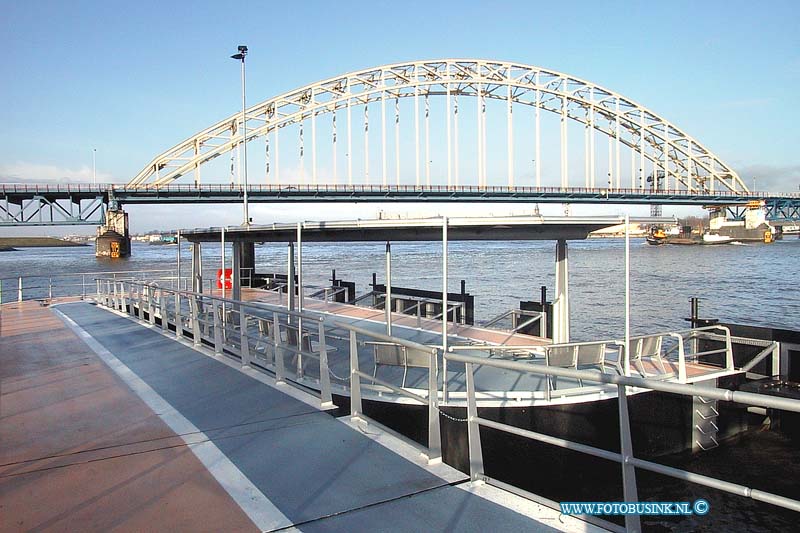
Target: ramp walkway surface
[{"x": 174, "y": 438}]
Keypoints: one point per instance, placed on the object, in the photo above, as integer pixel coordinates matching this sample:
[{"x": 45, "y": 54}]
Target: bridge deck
[{"x": 107, "y": 423}]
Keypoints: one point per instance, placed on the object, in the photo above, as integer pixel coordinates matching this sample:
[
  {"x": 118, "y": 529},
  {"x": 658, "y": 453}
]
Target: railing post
[
  {"x": 355, "y": 379},
  {"x": 130, "y": 300},
  {"x": 178, "y": 317},
  {"x": 162, "y": 305},
  {"x": 19, "y": 290},
  {"x": 630, "y": 493},
  {"x": 50, "y": 288},
  {"x": 434, "y": 430},
  {"x": 119, "y": 287},
  {"x": 276, "y": 338},
  {"x": 244, "y": 338},
  {"x": 776, "y": 359},
  {"x": 194, "y": 318},
  {"x": 473, "y": 427},
  {"x": 324, "y": 377},
  {"x": 151, "y": 306},
  {"x": 215, "y": 310},
  {"x": 140, "y": 291},
  {"x": 729, "y": 350},
  {"x": 543, "y": 325},
  {"x": 681, "y": 358}
]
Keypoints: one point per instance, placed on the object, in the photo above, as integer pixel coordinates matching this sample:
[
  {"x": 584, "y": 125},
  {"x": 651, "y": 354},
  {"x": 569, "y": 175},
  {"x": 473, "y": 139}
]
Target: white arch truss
[{"x": 677, "y": 159}]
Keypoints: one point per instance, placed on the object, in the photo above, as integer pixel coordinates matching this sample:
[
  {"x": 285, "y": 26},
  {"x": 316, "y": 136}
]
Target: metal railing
[
  {"x": 668, "y": 355},
  {"x": 520, "y": 319},
  {"x": 263, "y": 336},
  {"x": 319, "y": 188},
  {"x": 626, "y": 455},
  {"x": 416, "y": 309},
  {"x": 83, "y": 284}
]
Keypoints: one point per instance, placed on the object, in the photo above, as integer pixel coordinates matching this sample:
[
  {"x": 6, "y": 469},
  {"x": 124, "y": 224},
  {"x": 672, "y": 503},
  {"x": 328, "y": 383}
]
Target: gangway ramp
[{"x": 286, "y": 463}]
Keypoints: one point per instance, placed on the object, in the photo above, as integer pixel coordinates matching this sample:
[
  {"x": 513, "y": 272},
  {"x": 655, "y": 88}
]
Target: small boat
[
  {"x": 656, "y": 236},
  {"x": 715, "y": 238}
]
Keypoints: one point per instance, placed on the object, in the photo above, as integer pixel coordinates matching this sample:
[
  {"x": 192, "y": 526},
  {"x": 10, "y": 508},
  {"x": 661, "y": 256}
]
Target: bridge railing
[
  {"x": 625, "y": 456},
  {"x": 373, "y": 188},
  {"x": 294, "y": 347}
]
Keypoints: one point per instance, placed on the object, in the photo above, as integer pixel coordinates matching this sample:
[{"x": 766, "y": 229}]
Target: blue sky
[{"x": 134, "y": 78}]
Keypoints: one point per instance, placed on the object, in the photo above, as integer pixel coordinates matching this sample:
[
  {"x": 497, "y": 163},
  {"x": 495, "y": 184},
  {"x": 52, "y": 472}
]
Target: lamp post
[
  {"x": 94, "y": 166},
  {"x": 240, "y": 57}
]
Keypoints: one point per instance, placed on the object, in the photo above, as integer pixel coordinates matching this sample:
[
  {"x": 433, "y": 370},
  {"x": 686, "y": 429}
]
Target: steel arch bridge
[{"x": 662, "y": 156}]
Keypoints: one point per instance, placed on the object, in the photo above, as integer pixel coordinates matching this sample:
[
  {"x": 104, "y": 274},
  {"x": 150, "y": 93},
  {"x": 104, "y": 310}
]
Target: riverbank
[{"x": 9, "y": 244}]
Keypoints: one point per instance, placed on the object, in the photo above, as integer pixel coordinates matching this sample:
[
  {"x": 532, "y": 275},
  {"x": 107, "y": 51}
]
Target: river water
[
  {"x": 754, "y": 284},
  {"x": 751, "y": 284}
]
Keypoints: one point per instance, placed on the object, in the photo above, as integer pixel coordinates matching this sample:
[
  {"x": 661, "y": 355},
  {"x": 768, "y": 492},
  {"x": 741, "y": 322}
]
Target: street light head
[{"x": 241, "y": 54}]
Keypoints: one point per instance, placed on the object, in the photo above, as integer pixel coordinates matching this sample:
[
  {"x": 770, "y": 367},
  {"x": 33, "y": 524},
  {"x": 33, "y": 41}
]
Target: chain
[
  {"x": 454, "y": 419},
  {"x": 332, "y": 373}
]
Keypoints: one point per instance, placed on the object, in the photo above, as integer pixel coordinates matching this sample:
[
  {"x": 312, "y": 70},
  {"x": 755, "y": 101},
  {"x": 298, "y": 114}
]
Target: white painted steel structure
[{"x": 656, "y": 146}]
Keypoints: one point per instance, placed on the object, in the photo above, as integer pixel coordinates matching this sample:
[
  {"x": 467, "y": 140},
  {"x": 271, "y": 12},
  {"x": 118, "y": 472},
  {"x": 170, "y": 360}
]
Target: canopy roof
[{"x": 422, "y": 229}]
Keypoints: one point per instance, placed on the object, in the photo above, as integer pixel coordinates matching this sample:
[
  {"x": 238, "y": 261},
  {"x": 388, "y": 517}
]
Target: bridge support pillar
[
  {"x": 197, "y": 268},
  {"x": 244, "y": 263},
  {"x": 561, "y": 299},
  {"x": 113, "y": 239}
]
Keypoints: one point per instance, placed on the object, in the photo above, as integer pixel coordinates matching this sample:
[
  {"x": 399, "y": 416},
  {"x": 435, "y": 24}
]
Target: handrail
[
  {"x": 760, "y": 356},
  {"x": 625, "y": 457},
  {"x": 51, "y": 283},
  {"x": 681, "y": 337},
  {"x": 227, "y": 329}
]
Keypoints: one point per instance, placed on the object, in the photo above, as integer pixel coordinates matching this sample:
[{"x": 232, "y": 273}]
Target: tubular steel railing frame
[
  {"x": 625, "y": 457},
  {"x": 133, "y": 299},
  {"x": 136, "y": 298},
  {"x": 83, "y": 280}
]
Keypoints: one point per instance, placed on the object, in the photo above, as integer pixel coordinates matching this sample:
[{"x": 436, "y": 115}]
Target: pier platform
[{"x": 106, "y": 423}]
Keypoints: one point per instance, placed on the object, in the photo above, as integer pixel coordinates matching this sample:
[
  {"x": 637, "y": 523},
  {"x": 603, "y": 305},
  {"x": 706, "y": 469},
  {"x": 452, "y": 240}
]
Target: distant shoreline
[{"x": 9, "y": 244}]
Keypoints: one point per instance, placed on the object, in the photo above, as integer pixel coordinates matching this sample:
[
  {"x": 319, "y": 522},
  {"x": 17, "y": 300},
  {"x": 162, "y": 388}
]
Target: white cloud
[
  {"x": 23, "y": 171},
  {"x": 773, "y": 178}
]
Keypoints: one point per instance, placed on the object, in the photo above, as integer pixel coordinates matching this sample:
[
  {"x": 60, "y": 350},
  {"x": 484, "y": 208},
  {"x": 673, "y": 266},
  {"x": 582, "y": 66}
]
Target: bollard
[{"x": 19, "y": 295}]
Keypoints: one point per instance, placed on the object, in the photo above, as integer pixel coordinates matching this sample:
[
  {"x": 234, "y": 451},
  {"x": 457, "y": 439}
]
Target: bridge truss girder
[
  {"x": 775, "y": 210},
  {"x": 686, "y": 163},
  {"x": 48, "y": 210}
]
